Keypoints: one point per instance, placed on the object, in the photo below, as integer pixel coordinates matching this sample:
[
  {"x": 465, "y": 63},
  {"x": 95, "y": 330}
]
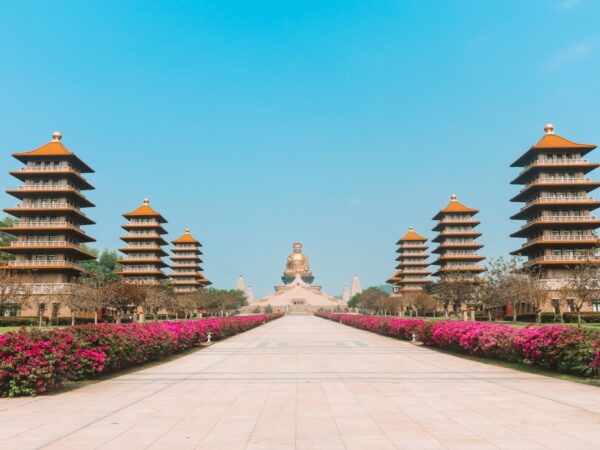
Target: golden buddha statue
[{"x": 297, "y": 264}]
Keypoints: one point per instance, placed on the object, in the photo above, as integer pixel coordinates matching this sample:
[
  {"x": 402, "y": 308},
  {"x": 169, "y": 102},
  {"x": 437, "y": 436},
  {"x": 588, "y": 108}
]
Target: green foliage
[
  {"x": 373, "y": 300},
  {"x": 353, "y": 302},
  {"x": 100, "y": 270},
  {"x": 221, "y": 301},
  {"x": 268, "y": 309},
  {"x": 6, "y": 239}
]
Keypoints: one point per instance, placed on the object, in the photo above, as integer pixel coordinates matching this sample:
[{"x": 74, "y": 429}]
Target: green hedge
[
  {"x": 586, "y": 317},
  {"x": 568, "y": 317}
]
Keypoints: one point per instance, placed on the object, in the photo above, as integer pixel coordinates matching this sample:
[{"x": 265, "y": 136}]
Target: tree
[
  {"x": 353, "y": 302},
  {"x": 583, "y": 286},
  {"x": 123, "y": 297},
  {"x": 187, "y": 304},
  {"x": 456, "y": 289},
  {"x": 6, "y": 239},
  {"x": 81, "y": 298},
  {"x": 424, "y": 302},
  {"x": 14, "y": 290},
  {"x": 502, "y": 285},
  {"x": 108, "y": 259},
  {"x": 158, "y": 298},
  {"x": 373, "y": 300},
  {"x": 534, "y": 290}
]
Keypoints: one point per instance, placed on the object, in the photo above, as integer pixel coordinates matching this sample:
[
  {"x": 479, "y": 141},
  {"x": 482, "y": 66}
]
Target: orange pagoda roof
[
  {"x": 145, "y": 211},
  {"x": 551, "y": 140},
  {"x": 454, "y": 207},
  {"x": 187, "y": 238},
  {"x": 53, "y": 148},
  {"x": 412, "y": 236}
]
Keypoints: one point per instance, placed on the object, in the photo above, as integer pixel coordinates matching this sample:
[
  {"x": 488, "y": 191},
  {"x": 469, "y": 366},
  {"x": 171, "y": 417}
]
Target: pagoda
[
  {"x": 143, "y": 262},
  {"x": 187, "y": 273},
  {"x": 412, "y": 268},
  {"x": 457, "y": 245},
  {"x": 48, "y": 236},
  {"x": 559, "y": 228}
]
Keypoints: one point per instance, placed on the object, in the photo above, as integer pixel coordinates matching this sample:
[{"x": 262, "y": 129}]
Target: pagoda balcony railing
[
  {"x": 146, "y": 282},
  {"x": 178, "y": 266},
  {"x": 585, "y": 237},
  {"x": 580, "y": 199},
  {"x": 45, "y": 263},
  {"x": 142, "y": 258},
  {"x": 413, "y": 245},
  {"x": 50, "y": 169},
  {"x": 561, "y": 258},
  {"x": 185, "y": 247},
  {"x": 451, "y": 232},
  {"x": 555, "y": 162},
  {"x": 150, "y": 248},
  {"x": 47, "y": 187},
  {"x": 458, "y": 219},
  {"x": 47, "y": 205},
  {"x": 185, "y": 255},
  {"x": 459, "y": 254},
  {"x": 412, "y": 271},
  {"x": 547, "y": 180},
  {"x": 144, "y": 223},
  {"x": 45, "y": 224},
  {"x": 140, "y": 269},
  {"x": 459, "y": 242},
  {"x": 45, "y": 244},
  {"x": 143, "y": 235},
  {"x": 414, "y": 255},
  {"x": 560, "y": 219},
  {"x": 459, "y": 266}
]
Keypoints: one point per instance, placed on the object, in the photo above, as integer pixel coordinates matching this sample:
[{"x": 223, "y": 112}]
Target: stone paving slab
[{"x": 306, "y": 383}]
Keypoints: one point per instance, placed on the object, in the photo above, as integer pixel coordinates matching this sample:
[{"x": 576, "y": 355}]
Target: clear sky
[{"x": 336, "y": 123}]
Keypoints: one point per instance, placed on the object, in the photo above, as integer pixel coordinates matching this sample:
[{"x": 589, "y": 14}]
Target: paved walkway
[{"x": 304, "y": 382}]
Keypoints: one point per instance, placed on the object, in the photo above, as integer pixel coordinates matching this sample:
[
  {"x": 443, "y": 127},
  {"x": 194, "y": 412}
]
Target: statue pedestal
[{"x": 289, "y": 279}]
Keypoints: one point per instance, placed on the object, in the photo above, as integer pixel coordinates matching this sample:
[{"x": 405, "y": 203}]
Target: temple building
[
  {"x": 559, "y": 228},
  {"x": 457, "y": 245},
  {"x": 297, "y": 294},
  {"x": 48, "y": 237},
  {"x": 143, "y": 262},
  {"x": 412, "y": 271},
  {"x": 187, "y": 273}
]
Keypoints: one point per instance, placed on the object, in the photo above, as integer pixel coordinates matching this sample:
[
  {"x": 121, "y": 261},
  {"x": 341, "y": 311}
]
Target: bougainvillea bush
[
  {"x": 562, "y": 348},
  {"x": 32, "y": 362}
]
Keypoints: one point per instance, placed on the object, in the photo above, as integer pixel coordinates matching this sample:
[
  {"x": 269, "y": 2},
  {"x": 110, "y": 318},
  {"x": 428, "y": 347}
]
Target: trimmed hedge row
[
  {"x": 32, "y": 362},
  {"x": 561, "y": 348},
  {"x": 568, "y": 317}
]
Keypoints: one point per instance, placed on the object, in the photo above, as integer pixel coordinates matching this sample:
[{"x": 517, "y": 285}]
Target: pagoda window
[{"x": 557, "y": 252}]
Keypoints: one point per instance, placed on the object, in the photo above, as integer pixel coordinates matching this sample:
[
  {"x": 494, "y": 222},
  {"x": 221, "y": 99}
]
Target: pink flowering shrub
[
  {"x": 32, "y": 362},
  {"x": 561, "y": 348}
]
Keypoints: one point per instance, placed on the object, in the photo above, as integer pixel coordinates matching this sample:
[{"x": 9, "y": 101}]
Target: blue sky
[{"x": 336, "y": 123}]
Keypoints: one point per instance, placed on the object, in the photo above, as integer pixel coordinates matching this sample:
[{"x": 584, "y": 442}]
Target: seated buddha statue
[{"x": 297, "y": 264}]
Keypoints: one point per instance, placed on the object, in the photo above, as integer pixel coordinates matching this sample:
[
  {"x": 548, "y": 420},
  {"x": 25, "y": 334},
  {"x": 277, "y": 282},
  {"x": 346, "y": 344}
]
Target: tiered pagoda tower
[
  {"x": 187, "y": 273},
  {"x": 48, "y": 231},
  {"x": 456, "y": 237},
  {"x": 559, "y": 227},
  {"x": 143, "y": 261},
  {"x": 412, "y": 268}
]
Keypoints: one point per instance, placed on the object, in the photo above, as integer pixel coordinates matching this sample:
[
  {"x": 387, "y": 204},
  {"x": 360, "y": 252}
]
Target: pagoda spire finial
[
  {"x": 187, "y": 231},
  {"x": 56, "y": 136},
  {"x": 146, "y": 201},
  {"x": 549, "y": 128},
  {"x": 453, "y": 197},
  {"x": 411, "y": 229}
]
